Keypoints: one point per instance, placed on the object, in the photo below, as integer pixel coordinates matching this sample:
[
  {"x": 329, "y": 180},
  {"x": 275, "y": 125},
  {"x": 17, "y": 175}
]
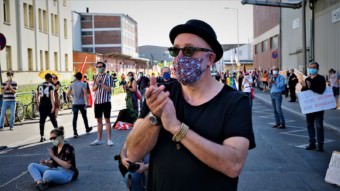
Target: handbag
[
  {"x": 252, "y": 93},
  {"x": 138, "y": 94}
]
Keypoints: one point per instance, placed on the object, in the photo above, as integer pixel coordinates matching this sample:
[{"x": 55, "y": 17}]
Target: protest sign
[{"x": 312, "y": 102}]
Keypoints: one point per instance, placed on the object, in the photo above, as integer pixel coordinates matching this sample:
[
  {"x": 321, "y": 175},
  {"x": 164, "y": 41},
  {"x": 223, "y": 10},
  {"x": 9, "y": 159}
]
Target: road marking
[
  {"x": 305, "y": 145},
  {"x": 13, "y": 179},
  {"x": 23, "y": 155}
]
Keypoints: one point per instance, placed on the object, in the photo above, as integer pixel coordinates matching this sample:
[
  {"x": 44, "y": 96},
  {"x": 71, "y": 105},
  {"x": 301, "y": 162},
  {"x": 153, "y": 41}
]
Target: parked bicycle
[
  {"x": 65, "y": 100},
  {"x": 31, "y": 109}
]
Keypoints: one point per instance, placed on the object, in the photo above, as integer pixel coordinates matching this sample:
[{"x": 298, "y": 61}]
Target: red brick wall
[
  {"x": 106, "y": 21},
  {"x": 265, "y": 18},
  {"x": 107, "y": 37},
  {"x": 86, "y": 39},
  {"x": 105, "y": 50}
]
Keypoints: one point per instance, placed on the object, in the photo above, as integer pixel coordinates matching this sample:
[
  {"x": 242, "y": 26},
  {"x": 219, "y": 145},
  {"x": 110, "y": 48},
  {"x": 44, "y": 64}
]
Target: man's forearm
[{"x": 141, "y": 139}]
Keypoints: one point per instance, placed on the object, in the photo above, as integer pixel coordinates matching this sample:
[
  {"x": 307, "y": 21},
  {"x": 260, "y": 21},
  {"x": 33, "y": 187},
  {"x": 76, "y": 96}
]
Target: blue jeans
[
  {"x": 137, "y": 181},
  {"x": 46, "y": 174},
  {"x": 315, "y": 118},
  {"x": 276, "y": 102},
  {"x": 5, "y": 106}
]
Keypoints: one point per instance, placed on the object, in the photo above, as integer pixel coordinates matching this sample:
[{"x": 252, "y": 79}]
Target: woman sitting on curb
[{"x": 60, "y": 168}]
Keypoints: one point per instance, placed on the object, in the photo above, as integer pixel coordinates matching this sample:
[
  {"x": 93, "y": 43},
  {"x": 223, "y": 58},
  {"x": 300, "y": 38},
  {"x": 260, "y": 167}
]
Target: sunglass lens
[
  {"x": 187, "y": 51},
  {"x": 173, "y": 51}
]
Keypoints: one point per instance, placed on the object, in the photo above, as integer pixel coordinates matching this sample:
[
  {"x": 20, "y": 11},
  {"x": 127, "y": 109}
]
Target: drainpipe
[
  {"x": 304, "y": 49},
  {"x": 19, "y": 26},
  {"x": 36, "y": 35},
  {"x": 60, "y": 20},
  {"x": 312, "y": 32}
]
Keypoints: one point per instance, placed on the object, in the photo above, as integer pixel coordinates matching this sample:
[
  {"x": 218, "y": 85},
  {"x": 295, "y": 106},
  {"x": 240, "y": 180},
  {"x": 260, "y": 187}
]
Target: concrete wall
[
  {"x": 327, "y": 36},
  {"x": 21, "y": 38}
]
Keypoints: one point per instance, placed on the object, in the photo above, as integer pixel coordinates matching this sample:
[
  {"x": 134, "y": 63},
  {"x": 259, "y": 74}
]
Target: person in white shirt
[{"x": 247, "y": 85}]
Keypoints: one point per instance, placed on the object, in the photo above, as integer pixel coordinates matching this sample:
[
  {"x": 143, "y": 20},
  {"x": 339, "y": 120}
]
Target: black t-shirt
[
  {"x": 318, "y": 84},
  {"x": 228, "y": 114},
  {"x": 44, "y": 90},
  {"x": 66, "y": 154}
]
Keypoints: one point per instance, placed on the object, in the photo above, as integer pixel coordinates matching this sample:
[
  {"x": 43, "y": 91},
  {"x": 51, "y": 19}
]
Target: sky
[{"x": 155, "y": 18}]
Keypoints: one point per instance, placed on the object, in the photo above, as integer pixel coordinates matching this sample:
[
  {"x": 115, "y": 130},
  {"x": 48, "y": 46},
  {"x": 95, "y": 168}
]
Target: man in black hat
[{"x": 197, "y": 130}]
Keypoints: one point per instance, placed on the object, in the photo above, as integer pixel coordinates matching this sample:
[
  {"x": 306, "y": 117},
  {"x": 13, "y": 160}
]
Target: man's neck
[
  {"x": 313, "y": 75},
  {"x": 201, "y": 91}
]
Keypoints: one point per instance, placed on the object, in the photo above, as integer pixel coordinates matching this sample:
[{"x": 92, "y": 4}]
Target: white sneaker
[
  {"x": 109, "y": 143},
  {"x": 96, "y": 142}
]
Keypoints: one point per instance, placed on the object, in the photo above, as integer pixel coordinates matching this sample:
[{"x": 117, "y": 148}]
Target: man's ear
[{"x": 211, "y": 59}]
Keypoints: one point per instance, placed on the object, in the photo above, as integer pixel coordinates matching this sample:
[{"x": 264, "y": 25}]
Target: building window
[
  {"x": 54, "y": 2},
  {"x": 258, "y": 48},
  {"x": 41, "y": 60},
  {"x": 65, "y": 28},
  {"x": 6, "y": 9},
  {"x": 56, "y": 22},
  {"x": 31, "y": 16},
  {"x": 274, "y": 43},
  {"x": 86, "y": 33},
  {"x": 56, "y": 61},
  {"x": 88, "y": 49},
  {"x": 9, "y": 58},
  {"x": 66, "y": 62},
  {"x": 65, "y": 3},
  {"x": 47, "y": 60},
  {"x": 265, "y": 45},
  {"x": 39, "y": 20},
  {"x": 30, "y": 59},
  {"x": 52, "y": 25},
  {"x": 45, "y": 21},
  {"x": 25, "y": 15}
]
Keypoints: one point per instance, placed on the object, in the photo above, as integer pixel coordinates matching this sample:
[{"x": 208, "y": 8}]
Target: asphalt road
[{"x": 278, "y": 163}]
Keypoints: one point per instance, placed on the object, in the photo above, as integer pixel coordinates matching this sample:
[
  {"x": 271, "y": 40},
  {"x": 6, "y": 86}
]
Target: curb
[{"x": 327, "y": 125}]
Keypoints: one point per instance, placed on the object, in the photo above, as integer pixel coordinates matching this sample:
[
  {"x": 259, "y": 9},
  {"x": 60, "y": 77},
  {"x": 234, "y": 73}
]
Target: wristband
[{"x": 181, "y": 133}]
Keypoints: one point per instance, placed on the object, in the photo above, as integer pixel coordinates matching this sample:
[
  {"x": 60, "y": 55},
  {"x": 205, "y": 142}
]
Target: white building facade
[{"x": 39, "y": 37}]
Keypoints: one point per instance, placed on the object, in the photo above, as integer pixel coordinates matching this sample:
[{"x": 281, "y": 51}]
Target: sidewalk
[{"x": 331, "y": 117}]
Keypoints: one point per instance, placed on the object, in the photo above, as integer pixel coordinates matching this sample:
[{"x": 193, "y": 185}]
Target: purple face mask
[{"x": 188, "y": 70}]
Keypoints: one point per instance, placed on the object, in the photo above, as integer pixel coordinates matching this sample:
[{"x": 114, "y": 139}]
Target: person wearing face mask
[
  {"x": 60, "y": 168},
  {"x": 142, "y": 83},
  {"x": 166, "y": 77},
  {"x": 131, "y": 98},
  {"x": 102, "y": 87},
  {"x": 198, "y": 122},
  {"x": 316, "y": 83},
  {"x": 9, "y": 89},
  {"x": 277, "y": 86},
  {"x": 247, "y": 85}
]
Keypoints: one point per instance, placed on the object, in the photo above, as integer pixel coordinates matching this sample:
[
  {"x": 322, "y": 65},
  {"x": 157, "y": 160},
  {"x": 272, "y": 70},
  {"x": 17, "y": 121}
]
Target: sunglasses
[
  {"x": 99, "y": 67},
  {"x": 187, "y": 51},
  {"x": 52, "y": 138}
]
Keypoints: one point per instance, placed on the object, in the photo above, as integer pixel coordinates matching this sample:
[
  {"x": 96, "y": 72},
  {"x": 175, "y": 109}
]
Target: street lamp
[{"x": 238, "y": 40}]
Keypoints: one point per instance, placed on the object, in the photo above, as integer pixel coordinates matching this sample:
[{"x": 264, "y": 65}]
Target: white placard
[
  {"x": 312, "y": 102},
  {"x": 336, "y": 15},
  {"x": 333, "y": 171}
]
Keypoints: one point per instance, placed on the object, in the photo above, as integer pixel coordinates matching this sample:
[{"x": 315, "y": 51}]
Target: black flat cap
[{"x": 201, "y": 29}]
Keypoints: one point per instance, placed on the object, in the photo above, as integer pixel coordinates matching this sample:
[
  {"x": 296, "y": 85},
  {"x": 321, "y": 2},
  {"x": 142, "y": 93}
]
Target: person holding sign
[{"x": 317, "y": 84}]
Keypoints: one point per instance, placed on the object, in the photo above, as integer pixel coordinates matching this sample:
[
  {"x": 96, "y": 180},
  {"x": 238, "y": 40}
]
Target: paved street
[{"x": 278, "y": 163}]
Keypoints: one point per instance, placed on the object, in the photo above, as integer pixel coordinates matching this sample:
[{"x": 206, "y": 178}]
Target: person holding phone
[{"x": 60, "y": 168}]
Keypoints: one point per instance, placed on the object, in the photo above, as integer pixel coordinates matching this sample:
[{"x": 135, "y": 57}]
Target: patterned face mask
[{"x": 188, "y": 70}]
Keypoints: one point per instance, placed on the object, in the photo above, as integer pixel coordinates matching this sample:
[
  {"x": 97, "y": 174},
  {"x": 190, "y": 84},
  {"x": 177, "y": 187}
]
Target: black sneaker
[
  {"x": 75, "y": 135},
  {"x": 311, "y": 147},
  {"x": 282, "y": 127},
  {"x": 42, "y": 139},
  {"x": 89, "y": 129},
  {"x": 276, "y": 126},
  {"x": 41, "y": 186}
]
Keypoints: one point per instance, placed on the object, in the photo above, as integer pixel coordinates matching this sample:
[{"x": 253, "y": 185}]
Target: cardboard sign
[
  {"x": 333, "y": 171},
  {"x": 312, "y": 102}
]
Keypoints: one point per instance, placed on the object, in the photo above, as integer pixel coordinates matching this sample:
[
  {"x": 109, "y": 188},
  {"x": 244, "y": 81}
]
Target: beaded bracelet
[{"x": 181, "y": 133}]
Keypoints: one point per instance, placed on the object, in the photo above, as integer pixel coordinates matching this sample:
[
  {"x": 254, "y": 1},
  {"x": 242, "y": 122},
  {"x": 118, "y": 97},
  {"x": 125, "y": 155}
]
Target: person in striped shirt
[
  {"x": 9, "y": 89},
  {"x": 102, "y": 87}
]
